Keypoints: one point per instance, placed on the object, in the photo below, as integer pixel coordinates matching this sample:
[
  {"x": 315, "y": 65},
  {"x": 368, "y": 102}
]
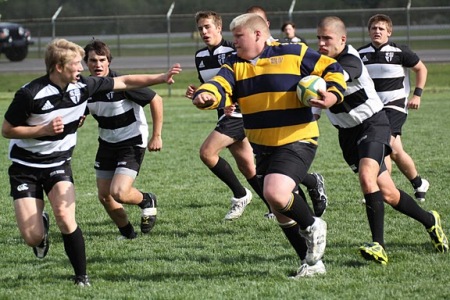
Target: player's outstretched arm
[
  {"x": 328, "y": 99},
  {"x": 127, "y": 82},
  {"x": 204, "y": 100}
]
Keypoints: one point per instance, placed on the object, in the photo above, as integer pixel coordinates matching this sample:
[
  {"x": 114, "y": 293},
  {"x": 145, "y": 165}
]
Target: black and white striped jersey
[
  {"x": 360, "y": 99},
  {"x": 120, "y": 116},
  {"x": 387, "y": 66},
  {"x": 208, "y": 63},
  {"x": 38, "y": 103}
]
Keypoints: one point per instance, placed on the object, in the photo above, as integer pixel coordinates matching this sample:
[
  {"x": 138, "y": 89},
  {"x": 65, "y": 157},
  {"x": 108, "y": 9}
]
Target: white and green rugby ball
[{"x": 307, "y": 88}]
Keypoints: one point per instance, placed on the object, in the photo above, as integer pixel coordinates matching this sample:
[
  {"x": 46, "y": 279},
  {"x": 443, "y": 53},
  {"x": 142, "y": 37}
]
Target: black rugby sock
[
  {"x": 224, "y": 171},
  {"x": 76, "y": 251},
  {"x": 291, "y": 231},
  {"x": 309, "y": 181},
  {"x": 298, "y": 210},
  {"x": 375, "y": 215},
  {"x": 416, "y": 182},
  {"x": 254, "y": 183},
  {"x": 128, "y": 231},
  {"x": 408, "y": 206}
]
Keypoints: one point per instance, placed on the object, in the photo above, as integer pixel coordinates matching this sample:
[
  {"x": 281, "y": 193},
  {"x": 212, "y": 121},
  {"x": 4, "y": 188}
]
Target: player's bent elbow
[{"x": 6, "y": 130}]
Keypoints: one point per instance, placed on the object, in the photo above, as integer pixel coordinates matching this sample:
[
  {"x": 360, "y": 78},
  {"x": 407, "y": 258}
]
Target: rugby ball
[{"x": 307, "y": 88}]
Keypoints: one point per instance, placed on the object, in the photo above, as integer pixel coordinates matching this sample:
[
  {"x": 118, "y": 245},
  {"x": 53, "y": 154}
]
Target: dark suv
[{"x": 14, "y": 41}]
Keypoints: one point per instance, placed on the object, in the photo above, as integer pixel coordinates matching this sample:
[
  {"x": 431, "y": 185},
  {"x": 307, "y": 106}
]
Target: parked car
[{"x": 14, "y": 41}]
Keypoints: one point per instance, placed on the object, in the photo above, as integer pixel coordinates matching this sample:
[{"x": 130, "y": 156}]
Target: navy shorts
[
  {"x": 110, "y": 159},
  {"x": 33, "y": 182},
  {"x": 232, "y": 127},
  {"x": 355, "y": 142},
  {"x": 396, "y": 120},
  {"x": 292, "y": 160}
]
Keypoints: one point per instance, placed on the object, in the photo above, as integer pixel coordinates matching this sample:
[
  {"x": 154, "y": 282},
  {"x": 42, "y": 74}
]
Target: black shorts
[
  {"x": 354, "y": 141},
  {"x": 33, "y": 182},
  {"x": 396, "y": 120},
  {"x": 292, "y": 160},
  {"x": 232, "y": 127},
  {"x": 110, "y": 160}
]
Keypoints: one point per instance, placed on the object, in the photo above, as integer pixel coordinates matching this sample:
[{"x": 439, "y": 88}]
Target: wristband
[{"x": 418, "y": 92}]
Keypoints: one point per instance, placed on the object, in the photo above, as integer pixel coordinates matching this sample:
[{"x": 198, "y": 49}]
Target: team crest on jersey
[
  {"x": 276, "y": 60},
  {"x": 389, "y": 56},
  {"x": 221, "y": 58},
  {"x": 75, "y": 95},
  {"x": 110, "y": 95}
]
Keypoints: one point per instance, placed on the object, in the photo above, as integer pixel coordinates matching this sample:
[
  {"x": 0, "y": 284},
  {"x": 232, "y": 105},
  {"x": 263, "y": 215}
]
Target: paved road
[
  {"x": 162, "y": 62},
  {"x": 119, "y": 63}
]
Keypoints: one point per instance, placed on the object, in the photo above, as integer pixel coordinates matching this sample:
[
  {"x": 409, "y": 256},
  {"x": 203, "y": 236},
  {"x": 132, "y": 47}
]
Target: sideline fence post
[
  {"x": 408, "y": 21},
  {"x": 55, "y": 15},
  {"x": 291, "y": 9},
  {"x": 169, "y": 13}
]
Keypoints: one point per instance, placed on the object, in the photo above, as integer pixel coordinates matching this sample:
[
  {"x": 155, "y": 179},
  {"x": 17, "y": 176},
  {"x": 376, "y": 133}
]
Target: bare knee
[
  {"x": 33, "y": 238},
  {"x": 65, "y": 220},
  {"x": 368, "y": 184},
  {"x": 208, "y": 156},
  {"x": 118, "y": 193},
  {"x": 108, "y": 202},
  {"x": 104, "y": 198},
  {"x": 395, "y": 155},
  {"x": 391, "y": 196},
  {"x": 203, "y": 156},
  {"x": 276, "y": 199}
]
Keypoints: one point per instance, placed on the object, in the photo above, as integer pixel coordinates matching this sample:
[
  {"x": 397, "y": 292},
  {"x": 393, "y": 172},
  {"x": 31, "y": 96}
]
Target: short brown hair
[
  {"x": 286, "y": 24},
  {"x": 209, "y": 14},
  {"x": 99, "y": 47},
  {"x": 380, "y": 18},
  {"x": 336, "y": 22}
]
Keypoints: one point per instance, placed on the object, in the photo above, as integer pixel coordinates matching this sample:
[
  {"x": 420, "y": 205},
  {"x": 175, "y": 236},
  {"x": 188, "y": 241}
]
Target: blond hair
[
  {"x": 251, "y": 21},
  {"x": 61, "y": 52}
]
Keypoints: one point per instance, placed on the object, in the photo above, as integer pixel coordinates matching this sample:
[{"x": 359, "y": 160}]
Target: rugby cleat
[
  {"x": 374, "y": 251},
  {"x": 42, "y": 250}
]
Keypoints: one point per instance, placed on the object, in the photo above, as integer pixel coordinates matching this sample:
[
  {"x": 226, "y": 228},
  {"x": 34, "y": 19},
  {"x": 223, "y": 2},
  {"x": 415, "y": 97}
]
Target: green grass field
[{"x": 193, "y": 254}]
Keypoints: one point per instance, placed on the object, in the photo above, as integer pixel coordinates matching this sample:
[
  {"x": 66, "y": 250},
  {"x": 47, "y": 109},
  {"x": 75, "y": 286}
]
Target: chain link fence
[{"x": 422, "y": 28}]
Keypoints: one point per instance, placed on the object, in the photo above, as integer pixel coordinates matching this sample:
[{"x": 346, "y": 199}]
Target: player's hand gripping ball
[{"x": 307, "y": 88}]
